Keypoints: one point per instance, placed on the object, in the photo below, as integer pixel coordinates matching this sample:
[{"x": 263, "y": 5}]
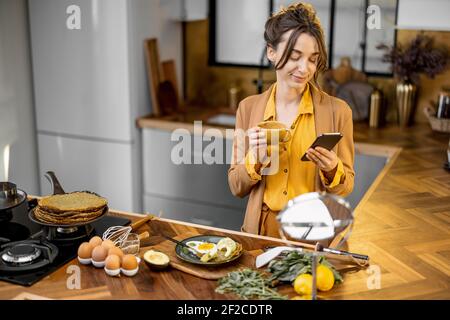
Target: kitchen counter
[
  {"x": 186, "y": 120},
  {"x": 402, "y": 223}
]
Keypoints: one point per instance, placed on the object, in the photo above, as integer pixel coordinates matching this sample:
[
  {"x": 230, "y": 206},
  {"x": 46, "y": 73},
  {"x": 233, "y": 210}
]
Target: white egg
[
  {"x": 193, "y": 244},
  {"x": 205, "y": 248}
]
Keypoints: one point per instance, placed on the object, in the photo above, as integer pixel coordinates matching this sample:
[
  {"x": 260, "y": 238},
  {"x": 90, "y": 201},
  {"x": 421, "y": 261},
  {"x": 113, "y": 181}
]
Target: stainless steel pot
[
  {"x": 13, "y": 203},
  {"x": 11, "y": 199}
]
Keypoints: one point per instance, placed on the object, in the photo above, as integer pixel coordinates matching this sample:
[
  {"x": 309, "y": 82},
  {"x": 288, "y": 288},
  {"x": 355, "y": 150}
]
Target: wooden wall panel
[{"x": 208, "y": 85}]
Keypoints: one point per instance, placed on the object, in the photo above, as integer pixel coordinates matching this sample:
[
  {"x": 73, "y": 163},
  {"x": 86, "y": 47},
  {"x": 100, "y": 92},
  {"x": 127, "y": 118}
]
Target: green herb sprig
[
  {"x": 295, "y": 263},
  {"x": 248, "y": 284}
]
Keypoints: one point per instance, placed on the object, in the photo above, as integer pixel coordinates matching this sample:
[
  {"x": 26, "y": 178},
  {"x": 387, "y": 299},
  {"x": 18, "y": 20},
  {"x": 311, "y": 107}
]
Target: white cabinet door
[
  {"x": 81, "y": 76},
  {"x": 101, "y": 167},
  {"x": 198, "y": 213},
  {"x": 198, "y": 182}
]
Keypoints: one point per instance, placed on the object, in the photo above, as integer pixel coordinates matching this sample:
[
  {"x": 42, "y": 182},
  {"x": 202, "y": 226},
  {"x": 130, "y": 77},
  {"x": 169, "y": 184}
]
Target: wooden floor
[{"x": 404, "y": 226}]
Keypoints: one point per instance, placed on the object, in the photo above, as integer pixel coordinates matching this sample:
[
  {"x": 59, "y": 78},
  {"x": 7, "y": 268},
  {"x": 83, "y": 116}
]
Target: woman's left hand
[{"x": 327, "y": 161}]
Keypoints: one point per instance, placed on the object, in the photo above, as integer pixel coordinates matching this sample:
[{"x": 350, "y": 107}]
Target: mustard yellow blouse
[{"x": 294, "y": 177}]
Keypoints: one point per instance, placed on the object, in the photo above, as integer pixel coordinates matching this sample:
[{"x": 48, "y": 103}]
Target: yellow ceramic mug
[{"x": 272, "y": 128}]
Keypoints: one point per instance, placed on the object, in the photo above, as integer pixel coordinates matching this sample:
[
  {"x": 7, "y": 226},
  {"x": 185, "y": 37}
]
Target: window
[{"x": 237, "y": 27}]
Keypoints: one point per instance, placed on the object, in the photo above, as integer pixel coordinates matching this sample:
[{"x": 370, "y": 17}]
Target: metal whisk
[{"x": 117, "y": 234}]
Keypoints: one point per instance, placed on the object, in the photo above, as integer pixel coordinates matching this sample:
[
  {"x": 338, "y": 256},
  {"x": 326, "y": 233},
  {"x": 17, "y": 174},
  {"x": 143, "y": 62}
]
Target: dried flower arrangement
[{"x": 419, "y": 56}]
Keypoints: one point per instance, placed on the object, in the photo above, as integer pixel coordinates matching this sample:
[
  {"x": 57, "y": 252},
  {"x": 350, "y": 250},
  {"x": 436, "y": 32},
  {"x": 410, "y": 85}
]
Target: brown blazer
[{"x": 330, "y": 115}]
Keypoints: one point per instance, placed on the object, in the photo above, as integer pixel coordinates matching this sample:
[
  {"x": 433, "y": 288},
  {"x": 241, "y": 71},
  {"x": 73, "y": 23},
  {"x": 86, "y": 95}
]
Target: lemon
[
  {"x": 303, "y": 284},
  {"x": 304, "y": 297},
  {"x": 325, "y": 278}
]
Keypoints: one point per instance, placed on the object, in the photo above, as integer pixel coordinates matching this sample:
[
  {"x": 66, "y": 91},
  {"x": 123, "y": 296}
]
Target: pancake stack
[{"x": 70, "y": 208}]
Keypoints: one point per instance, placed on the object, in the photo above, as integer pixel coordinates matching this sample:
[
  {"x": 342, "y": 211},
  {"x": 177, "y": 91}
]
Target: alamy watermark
[
  {"x": 73, "y": 281},
  {"x": 212, "y": 146},
  {"x": 373, "y": 21}
]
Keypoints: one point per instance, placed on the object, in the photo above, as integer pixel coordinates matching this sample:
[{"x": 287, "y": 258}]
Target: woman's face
[{"x": 302, "y": 63}]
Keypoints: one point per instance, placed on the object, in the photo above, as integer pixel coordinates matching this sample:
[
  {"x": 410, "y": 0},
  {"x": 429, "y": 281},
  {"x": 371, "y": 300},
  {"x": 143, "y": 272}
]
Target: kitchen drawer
[
  {"x": 199, "y": 213},
  {"x": 197, "y": 182}
]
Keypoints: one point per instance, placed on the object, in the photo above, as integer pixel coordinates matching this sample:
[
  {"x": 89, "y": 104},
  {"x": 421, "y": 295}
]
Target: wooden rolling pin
[
  {"x": 144, "y": 235},
  {"x": 137, "y": 224}
]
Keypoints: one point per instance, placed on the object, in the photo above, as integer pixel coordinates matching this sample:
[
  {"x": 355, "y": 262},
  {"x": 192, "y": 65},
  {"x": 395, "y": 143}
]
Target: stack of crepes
[{"x": 70, "y": 208}]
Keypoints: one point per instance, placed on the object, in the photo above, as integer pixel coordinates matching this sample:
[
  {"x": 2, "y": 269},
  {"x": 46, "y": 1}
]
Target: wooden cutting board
[
  {"x": 247, "y": 260},
  {"x": 342, "y": 264}
]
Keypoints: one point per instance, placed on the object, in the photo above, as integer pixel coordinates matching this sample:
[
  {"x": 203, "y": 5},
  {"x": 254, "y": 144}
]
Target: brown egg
[
  {"x": 108, "y": 244},
  {"x": 85, "y": 250},
  {"x": 95, "y": 241},
  {"x": 116, "y": 251},
  {"x": 129, "y": 262},
  {"x": 99, "y": 254},
  {"x": 112, "y": 262}
]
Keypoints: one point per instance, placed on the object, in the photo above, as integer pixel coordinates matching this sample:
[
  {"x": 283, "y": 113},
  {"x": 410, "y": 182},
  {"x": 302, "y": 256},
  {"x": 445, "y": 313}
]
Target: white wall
[
  {"x": 152, "y": 19},
  {"x": 17, "y": 125},
  {"x": 426, "y": 15},
  {"x": 196, "y": 10},
  {"x": 233, "y": 45}
]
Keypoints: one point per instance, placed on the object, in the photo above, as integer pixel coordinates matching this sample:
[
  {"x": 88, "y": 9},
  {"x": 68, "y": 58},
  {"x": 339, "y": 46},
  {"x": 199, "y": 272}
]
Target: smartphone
[{"x": 326, "y": 140}]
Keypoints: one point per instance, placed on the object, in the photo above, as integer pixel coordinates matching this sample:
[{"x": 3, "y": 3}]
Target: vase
[{"x": 406, "y": 102}]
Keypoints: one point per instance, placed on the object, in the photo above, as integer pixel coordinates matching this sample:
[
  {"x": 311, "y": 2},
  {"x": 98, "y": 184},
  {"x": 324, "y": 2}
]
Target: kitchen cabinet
[
  {"x": 186, "y": 10},
  {"x": 424, "y": 15},
  {"x": 189, "y": 192},
  {"x": 103, "y": 165},
  {"x": 189, "y": 210},
  {"x": 90, "y": 85}
]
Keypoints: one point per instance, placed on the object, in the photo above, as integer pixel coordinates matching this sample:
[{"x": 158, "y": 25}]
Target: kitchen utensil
[
  {"x": 139, "y": 223},
  {"x": 33, "y": 218},
  {"x": 170, "y": 74},
  {"x": 167, "y": 98},
  {"x": 154, "y": 72},
  {"x": 12, "y": 201},
  {"x": 132, "y": 243},
  {"x": 144, "y": 235},
  {"x": 119, "y": 234},
  {"x": 342, "y": 252},
  {"x": 359, "y": 259},
  {"x": 271, "y": 254},
  {"x": 443, "y": 105},
  {"x": 315, "y": 216},
  {"x": 247, "y": 260},
  {"x": 54, "y": 183},
  {"x": 58, "y": 189},
  {"x": 276, "y": 129},
  {"x": 301, "y": 219},
  {"x": 184, "y": 246},
  {"x": 183, "y": 254}
]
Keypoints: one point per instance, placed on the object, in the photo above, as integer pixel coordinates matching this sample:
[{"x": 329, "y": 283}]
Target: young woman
[{"x": 296, "y": 48}]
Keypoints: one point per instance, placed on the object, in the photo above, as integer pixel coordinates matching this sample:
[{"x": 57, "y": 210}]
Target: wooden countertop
[
  {"x": 402, "y": 224},
  {"x": 186, "y": 120}
]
